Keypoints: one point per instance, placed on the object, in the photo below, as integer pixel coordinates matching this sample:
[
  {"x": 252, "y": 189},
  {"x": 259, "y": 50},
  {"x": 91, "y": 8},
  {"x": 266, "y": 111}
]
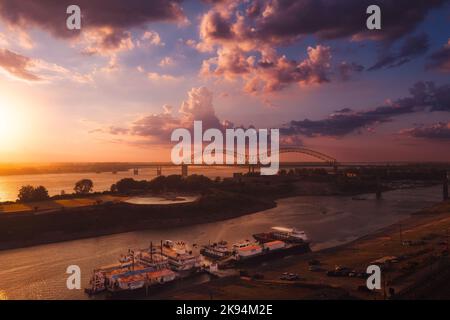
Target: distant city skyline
[{"x": 115, "y": 90}]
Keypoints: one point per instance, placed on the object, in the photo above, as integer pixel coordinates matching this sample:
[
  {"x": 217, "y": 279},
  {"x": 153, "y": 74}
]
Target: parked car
[
  {"x": 290, "y": 276},
  {"x": 315, "y": 268}
]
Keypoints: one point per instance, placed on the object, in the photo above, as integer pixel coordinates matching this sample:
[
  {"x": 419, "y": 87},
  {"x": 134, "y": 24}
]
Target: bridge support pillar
[
  {"x": 184, "y": 170},
  {"x": 158, "y": 171}
]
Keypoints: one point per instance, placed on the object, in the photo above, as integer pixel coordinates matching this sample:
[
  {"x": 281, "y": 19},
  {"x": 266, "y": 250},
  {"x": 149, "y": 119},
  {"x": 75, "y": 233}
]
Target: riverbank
[
  {"x": 417, "y": 264},
  {"x": 328, "y": 221},
  {"x": 52, "y": 221},
  {"x": 63, "y": 224}
]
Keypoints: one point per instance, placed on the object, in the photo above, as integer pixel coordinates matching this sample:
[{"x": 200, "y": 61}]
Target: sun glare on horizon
[{"x": 11, "y": 124}]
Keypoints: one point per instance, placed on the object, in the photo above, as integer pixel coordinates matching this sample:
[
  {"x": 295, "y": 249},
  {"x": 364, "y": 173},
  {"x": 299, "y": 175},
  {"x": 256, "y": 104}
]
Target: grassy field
[{"x": 58, "y": 204}]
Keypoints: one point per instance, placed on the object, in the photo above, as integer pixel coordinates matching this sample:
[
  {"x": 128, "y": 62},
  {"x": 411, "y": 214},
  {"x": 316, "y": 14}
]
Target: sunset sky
[{"x": 115, "y": 90}]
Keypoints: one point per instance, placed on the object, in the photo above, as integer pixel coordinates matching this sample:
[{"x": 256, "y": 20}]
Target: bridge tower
[{"x": 184, "y": 170}]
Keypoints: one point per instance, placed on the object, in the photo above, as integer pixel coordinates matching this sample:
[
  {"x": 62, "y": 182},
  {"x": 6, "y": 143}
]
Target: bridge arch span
[{"x": 282, "y": 150}]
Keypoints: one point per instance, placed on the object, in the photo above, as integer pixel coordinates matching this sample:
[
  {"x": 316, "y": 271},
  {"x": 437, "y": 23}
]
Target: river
[{"x": 39, "y": 272}]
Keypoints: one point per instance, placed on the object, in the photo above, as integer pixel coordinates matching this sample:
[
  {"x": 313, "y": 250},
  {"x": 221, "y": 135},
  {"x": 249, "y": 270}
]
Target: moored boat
[
  {"x": 216, "y": 251},
  {"x": 180, "y": 257},
  {"x": 281, "y": 233},
  {"x": 269, "y": 250}
]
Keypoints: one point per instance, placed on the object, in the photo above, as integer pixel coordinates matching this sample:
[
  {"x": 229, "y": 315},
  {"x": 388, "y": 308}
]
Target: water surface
[
  {"x": 39, "y": 272},
  {"x": 58, "y": 182}
]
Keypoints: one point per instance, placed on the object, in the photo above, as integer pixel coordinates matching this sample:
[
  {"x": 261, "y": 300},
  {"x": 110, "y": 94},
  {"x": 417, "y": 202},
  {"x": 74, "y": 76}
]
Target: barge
[
  {"x": 216, "y": 251},
  {"x": 290, "y": 235},
  {"x": 258, "y": 252}
]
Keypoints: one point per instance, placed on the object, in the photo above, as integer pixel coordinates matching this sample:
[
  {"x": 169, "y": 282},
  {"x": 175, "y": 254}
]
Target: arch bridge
[{"x": 253, "y": 160}]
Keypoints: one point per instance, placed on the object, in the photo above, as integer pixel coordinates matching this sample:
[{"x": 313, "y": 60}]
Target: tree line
[
  {"x": 194, "y": 182},
  {"x": 29, "y": 193},
  {"x": 163, "y": 183}
]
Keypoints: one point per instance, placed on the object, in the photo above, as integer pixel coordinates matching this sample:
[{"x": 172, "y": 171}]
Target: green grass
[{"x": 57, "y": 204}]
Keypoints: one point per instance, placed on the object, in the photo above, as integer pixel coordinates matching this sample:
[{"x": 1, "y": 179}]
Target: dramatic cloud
[
  {"x": 215, "y": 25},
  {"x": 17, "y": 65},
  {"x": 150, "y": 38},
  {"x": 277, "y": 74},
  {"x": 284, "y": 21},
  {"x": 242, "y": 33},
  {"x": 331, "y": 19},
  {"x": 105, "y": 20},
  {"x": 37, "y": 70},
  {"x": 438, "y": 131},
  {"x": 107, "y": 41},
  {"x": 346, "y": 70},
  {"x": 199, "y": 106},
  {"x": 411, "y": 48},
  {"x": 424, "y": 96},
  {"x": 440, "y": 60},
  {"x": 271, "y": 72},
  {"x": 157, "y": 128}
]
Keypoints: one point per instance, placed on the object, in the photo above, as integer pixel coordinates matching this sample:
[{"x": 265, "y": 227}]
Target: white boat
[
  {"x": 180, "y": 256},
  {"x": 152, "y": 259},
  {"x": 288, "y": 234},
  {"x": 137, "y": 280},
  {"x": 100, "y": 275},
  {"x": 217, "y": 250}
]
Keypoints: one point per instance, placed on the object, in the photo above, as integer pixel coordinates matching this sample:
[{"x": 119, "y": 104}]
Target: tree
[
  {"x": 174, "y": 182},
  {"x": 114, "y": 188},
  {"x": 127, "y": 185},
  {"x": 26, "y": 193},
  {"x": 197, "y": 182},
  {"x": 158, "y": 184},
  {"x": 40, "y": 194},
  {"x": 29, "y": 194},
  {"x": 83, "y": 186}
]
